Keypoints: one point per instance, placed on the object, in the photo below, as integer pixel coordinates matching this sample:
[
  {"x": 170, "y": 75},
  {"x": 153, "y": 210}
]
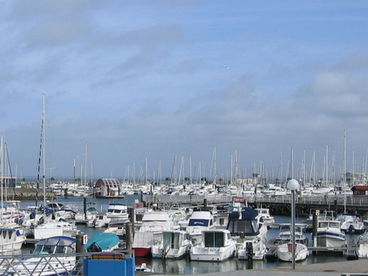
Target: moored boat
[{"x": 217, "y": 246}]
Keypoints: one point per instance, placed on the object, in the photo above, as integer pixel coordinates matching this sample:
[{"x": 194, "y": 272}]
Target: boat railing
[{"x": 56, "y": 264}]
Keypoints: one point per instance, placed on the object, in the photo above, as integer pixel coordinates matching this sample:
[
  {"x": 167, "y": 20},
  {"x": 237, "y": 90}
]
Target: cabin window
[
  {"x": 38, "y": 249},
  {"x": 334, "y": 225},
  {"x": 198, "y": 222},
  {"x": 59, "y": 250},
  {"x": 47, "y": 249},
  {"x": 323, "y": 224},
  {"x": 213, "y": 239},
  {"x": 241, "y": 226}
]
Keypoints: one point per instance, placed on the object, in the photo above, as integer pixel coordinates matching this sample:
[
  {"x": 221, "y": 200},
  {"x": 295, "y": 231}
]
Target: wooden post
[
  {"x": 79, "y": 249},
  {"x": 129, "y": 238},
  {"x": 315, "y": 225},
  {"x": 85, "y": 207}
]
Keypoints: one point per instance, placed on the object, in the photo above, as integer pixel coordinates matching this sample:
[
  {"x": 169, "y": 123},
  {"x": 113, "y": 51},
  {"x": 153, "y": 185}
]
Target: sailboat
[
  {"x": 10, "y": 239},
  {"x": 50, "y": 227}
]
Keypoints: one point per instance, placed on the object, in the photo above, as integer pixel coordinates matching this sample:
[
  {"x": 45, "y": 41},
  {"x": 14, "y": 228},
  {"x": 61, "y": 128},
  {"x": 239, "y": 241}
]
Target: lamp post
[{"x": 293, "y": 186}]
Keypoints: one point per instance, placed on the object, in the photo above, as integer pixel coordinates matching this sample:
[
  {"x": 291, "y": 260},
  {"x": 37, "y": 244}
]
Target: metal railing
[{"x": 42, "y": 265}]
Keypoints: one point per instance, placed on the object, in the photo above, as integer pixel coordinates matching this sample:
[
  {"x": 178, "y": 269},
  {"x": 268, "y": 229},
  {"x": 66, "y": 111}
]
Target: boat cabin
[
  {"x": 55, "y": 245},
  {"x": 174, "y": 239},
  {"x": 116, "y": 209},
  {"x": 329, "y": 224},
  {"x": 247, "y": 222},
  {"x": 201, "y": 218},
  {"x": 216, "y": 238}
]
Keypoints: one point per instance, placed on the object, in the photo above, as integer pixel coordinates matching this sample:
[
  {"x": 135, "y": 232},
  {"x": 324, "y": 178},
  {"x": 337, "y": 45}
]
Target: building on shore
[{"x": 108, "y": 188}]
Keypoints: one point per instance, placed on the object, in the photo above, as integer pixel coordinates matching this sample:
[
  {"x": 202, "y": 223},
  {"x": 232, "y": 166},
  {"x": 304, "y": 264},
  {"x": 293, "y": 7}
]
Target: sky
[{"x": 165, "y": 78}]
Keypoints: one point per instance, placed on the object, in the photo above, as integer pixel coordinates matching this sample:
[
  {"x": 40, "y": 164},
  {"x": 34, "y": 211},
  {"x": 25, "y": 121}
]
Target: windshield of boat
[
  {"x": 242, "y": 226},
  {"x": 198, "y": 222},
  {"x": 325, "y": 224},
  {"x": 44, "y": 249}
]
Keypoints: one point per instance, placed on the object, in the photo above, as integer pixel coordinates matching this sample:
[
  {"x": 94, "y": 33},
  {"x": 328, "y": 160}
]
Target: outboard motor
[{"x": 249, "y": 248}]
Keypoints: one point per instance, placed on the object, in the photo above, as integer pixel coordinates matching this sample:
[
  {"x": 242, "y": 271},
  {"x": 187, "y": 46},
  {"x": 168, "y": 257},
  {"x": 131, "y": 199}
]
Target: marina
[
  {"x": 183, "y": 137},
  {"x": 184, "y": 263}
]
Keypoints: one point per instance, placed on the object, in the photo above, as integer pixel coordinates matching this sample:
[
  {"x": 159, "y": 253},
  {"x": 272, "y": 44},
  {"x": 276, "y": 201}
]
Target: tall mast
[
  {"x": 190, "y": 170},
  {"x": 292, "y": 164},
  {"x": 85, "y": 164},
  {"x": 344, "y": 161},
  {"x": 344, "y": 164},
  {"x": 327, "y": 163},
  {"x": 215, "y": 166},
  {"x": 44, "y": 148},
  {"x": 74, "y": 170},
  {"x": 2, "y": 174},
  {"x": 304, "y": 168}
]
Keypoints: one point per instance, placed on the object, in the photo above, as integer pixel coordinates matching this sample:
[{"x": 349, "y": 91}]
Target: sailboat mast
[
  {"x": 2, "y": 174},
  {"x": 344, "y": 169},
  {"x": 44, "y": 149}
]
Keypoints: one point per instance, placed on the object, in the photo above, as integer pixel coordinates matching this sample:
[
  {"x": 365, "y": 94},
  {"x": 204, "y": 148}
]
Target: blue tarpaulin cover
[{"x": 105, "y": 241}]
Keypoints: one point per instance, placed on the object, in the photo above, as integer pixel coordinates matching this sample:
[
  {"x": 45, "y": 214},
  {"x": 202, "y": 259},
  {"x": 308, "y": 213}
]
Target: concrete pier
[{"x": 27, "y": 194}]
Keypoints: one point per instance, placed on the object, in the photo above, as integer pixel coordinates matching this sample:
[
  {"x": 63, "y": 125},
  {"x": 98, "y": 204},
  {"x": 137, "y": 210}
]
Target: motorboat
[
  {"x": 351, "y": 223},
  {"x": 265, "y": 214},
  {"x": 174, "y": 244},
  {"x": 284, "y": 248},
  {"x": 98, "y": 221},
  {"x": 249, "y": 230},
  {"x": 251, "y": 248},
  {"x": 285, "y": 233},
  {"x": 152, "y": 223},
  {"x": 117, "y": 212},
  {"x": 52, "y": 256},
  {"x": 285, "y": 254},
  {"x": 118, "y": 229},
  {"x": 11, "y": 239},
  {"x": 217, "y": 246},
  {"x": 362, "y": 246},
  {"x": 247, "y": 223},
  {"x": 199, "y": 221},
  {"x": 54, "y": 228},
  {"x": 90, "y": 215},
  {"x": 102, "y": 242},
  {"x": 329, "y": 233}
]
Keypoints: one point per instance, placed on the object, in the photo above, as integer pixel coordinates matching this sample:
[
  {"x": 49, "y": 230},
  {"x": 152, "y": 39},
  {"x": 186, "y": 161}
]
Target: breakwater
[{"x": 26, "y": 194}]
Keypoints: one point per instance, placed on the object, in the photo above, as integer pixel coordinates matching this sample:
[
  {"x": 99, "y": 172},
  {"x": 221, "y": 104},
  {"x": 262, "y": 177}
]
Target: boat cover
[{"x": 104, "y": 241}]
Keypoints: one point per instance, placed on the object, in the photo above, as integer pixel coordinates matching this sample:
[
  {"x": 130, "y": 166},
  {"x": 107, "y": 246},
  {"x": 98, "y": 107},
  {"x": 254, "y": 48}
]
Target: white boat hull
[
  {"x": 212, "y": 254},
  {"x": 11, "y": 246},
  {"x": 158, "y": 252},
  {"x": 46, "y": 267},
  {"x": 285, "y": 255},
  {"x": 362, "y": 250},
  {"x": 259, "y": 251},
  {"x": 330, "y": 240}
]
